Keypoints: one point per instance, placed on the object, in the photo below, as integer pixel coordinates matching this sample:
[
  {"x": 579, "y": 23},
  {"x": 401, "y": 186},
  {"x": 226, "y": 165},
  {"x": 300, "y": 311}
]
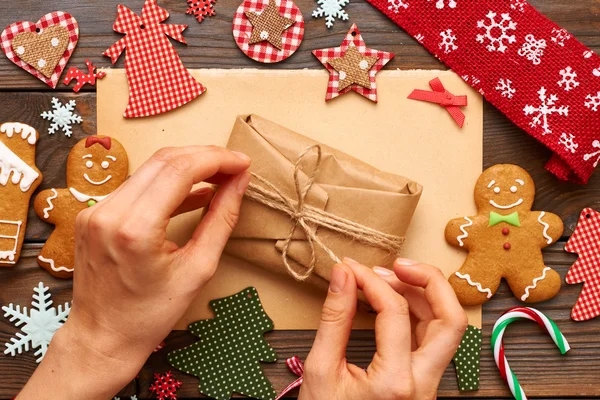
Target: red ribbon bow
[
  {"x": 102, "y": 140},
  {"x": 444, "y": 98},
  {"x": 297, "y": 367}
]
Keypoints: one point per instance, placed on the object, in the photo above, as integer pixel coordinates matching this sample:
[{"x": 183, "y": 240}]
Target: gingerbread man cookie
[
  {"x": 96, "y": 167},
  {"x": 504, "y": 240},
  {"x": 19, "y": 177}
]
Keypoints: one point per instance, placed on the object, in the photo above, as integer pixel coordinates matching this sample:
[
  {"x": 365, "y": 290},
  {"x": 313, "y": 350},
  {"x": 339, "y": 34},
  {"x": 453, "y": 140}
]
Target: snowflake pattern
[
  {"x": 448, "y": 41},
  {"x": 560, "y": 36},
  {"x": 40, "y": 323},
  {"x": 165, "y": 386},
  {"x": 533, "y": 49},
  {"x": 587, "y": 157},
  {"x": 518, "y": 5},
  {"x": 567, "y": 140},
  {"x": 396, "y": 5},
  {"x": 420, "y": 37},
  {"x": 505, "y": 88},
  {"x": 568, "y": 81},
  {"x": 62, "y": 116},
  {"x": 201, "y": 9},
  {"x": 497, "y": 42},
  {"x": 592, "y": 102},
  {"x": 440, "y": 4},
  {"x": 546, "y": 108},
  {"x": 332, "y": 9}
]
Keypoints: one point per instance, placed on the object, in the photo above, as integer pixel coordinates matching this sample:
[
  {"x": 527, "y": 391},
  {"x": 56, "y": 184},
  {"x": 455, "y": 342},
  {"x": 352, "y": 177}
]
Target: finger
[
  {"x": 172, "y": 184},
  {"x": 204, "y": 249},
  {"x": 197, "y": 199},
  {"x": 329, "y": 349},
  {"x": 392, "y": 324}
]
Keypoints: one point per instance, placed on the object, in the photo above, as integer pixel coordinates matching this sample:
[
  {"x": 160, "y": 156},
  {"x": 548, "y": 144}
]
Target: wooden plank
[
  {"x": 532, "y": 354},
  {"x": 211, "y": 45}
]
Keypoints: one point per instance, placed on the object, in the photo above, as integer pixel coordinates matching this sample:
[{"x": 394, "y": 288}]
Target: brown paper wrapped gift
[{"x": 371, "y": 205}]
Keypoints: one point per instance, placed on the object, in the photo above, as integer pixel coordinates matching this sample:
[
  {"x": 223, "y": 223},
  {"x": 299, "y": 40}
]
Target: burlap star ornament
[{"x": 268, "y": 25}]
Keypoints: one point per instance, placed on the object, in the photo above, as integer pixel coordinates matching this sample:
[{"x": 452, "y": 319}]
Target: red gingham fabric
[
  {"x": 353, "y": 37},
  {"x": 158, "y": 81},
  {"x": 585, "y": 241},
  {"x": 264, "y": 51},
  {"x": 533, "y": 71},
  {"x": 297, "y": 367},
  {"x": 53, "y": 18}
]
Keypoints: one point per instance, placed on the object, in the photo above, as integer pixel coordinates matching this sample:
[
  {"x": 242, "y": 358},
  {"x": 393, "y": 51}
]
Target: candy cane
[{"x": 506, "y": 319}]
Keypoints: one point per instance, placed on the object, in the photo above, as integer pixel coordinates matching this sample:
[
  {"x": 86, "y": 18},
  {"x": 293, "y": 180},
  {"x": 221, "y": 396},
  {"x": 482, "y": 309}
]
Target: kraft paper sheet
[{"x": 414, "y": 139}]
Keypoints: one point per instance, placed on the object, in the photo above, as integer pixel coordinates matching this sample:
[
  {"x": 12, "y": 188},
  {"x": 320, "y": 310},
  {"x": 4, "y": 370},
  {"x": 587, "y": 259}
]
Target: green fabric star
[
  {"x": 467, "y": 359},
  {"x": 227, "y": 357}
]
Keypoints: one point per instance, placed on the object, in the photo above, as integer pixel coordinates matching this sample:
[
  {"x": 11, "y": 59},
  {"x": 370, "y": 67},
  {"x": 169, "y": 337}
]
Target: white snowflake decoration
[
  {"x": 505, "y": 88},
  {"x": 40, "y": 323},
  {"x": 420, "y": 37},
  {"x": 587, "y": 157},
  {"x": 439, "y": 4},
  {"x": 331, "y": 9},
  {"x": 62, "y": 116},
  {"x": 546, "y": 108},
  {"x": 592, "y": 102},
  {"x": 533, "y": 49},
  {"x": 497, "y": 42},
  {"x": 448, "y": 41},
  {"x": 568, "y": 80},
  {"x": 396, "y": 5},
  {"x": 518, "y": 5},
  {"x": 560, "y": 36},
  {"x": 566, "y": 139}
]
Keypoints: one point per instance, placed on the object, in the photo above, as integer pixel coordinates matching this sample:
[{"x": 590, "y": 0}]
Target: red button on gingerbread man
[
  {"x": 504, "y": 240},
  {"x": 96, "y": 167}
]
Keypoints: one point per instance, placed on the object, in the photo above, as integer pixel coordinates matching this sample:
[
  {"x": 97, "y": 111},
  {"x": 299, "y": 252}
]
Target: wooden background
[{"x": 533, "y": 356}]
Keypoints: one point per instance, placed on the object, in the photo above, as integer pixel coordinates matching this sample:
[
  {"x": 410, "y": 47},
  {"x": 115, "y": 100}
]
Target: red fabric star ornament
[{"x": 327, "y": 57}]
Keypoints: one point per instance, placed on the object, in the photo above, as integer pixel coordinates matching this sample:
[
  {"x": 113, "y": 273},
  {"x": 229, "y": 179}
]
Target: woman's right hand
[{"x": 418, "y": 328}]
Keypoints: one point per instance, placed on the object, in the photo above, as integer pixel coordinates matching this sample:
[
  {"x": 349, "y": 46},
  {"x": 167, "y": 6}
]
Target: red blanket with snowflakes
[{"x": 535, "y": 72}]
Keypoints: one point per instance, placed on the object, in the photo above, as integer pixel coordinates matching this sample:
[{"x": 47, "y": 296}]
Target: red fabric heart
[{"x": 54, "y": 18}]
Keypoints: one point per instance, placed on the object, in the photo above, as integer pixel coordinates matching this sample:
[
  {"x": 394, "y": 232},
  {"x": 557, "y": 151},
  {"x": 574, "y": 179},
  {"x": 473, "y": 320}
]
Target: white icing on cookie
[
  {"x": 84, "y": 198},
  {"x": 21, "y": 171},
  {"x": 546, "y": 226},
  {"x": 492, "y": 182},
  {"x": 520, "y": 181},
  {"x": 8, "y": 256},
  {"x": 465, "y": 233},
  {"x": 112, "y": 158},
  {"x": 87, "y": 156},
  {"x": 27, "y": 132},
  {"x": 56, "y": 269},
  {"x": 97, "y": 183},
  {"x": 49, "y": 201},
  {"x": 480, "y": 288},
  {"x": 534, "y": 284},
  {"x": 516, "y": 203}
]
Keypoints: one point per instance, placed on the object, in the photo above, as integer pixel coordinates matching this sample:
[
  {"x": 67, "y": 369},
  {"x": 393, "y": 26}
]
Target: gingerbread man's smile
[
  {"x": 102, "y": 182},
  {"x": 516, "y": 203}
]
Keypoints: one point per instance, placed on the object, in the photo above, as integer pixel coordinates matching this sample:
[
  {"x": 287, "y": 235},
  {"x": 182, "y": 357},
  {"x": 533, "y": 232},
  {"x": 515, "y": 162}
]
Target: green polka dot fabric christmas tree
[
  {"x": 467, "y": 359},
  {"x": 227, "y": 357}
]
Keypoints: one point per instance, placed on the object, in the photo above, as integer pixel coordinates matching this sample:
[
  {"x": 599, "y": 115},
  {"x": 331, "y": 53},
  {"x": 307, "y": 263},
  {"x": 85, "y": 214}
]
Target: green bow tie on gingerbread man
[{"x": 512, "y": 218}]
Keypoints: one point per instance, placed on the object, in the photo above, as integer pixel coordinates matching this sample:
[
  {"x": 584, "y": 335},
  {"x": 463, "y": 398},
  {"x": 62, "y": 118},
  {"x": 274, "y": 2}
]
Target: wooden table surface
[{"x": 533, "y": 356}]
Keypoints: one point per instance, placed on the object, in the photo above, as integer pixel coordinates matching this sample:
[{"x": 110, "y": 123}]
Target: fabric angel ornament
[{"x": 158, "y": 81}]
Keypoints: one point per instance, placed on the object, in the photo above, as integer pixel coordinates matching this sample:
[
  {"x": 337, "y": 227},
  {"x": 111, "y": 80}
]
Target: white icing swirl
[
  {"x": 534, "y": 284},
  {"x": 480, "y": 288},
  {"x": 57, "y": 269},
  {"x": 50, "y": 205},
  {"x": 546, "y": 226},
  {"x": 463, "y": 230}
]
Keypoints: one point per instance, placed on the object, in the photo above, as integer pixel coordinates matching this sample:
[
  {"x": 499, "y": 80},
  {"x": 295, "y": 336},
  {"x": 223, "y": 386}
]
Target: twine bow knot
[
  {"x": 444, "y": 98},
  {"x": 308, "y": 218}
]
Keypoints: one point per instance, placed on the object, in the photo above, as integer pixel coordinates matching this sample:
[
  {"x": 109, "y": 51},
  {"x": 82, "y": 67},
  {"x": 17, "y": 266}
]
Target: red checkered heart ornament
[{"x": 42, "y": 48}]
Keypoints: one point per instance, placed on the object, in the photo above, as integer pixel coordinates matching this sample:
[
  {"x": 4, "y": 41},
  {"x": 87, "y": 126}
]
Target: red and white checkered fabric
[
  {"x": 585, "y": 241},
  {"x": 353, "y": 37},
  {"x": 264, "y": 51},
  {"x": 54, "y": 18},
  {"x": 158, "y": 81}
]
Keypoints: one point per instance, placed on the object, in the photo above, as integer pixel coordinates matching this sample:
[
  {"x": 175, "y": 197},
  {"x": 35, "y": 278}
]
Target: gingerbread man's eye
[
  {"x": 496, "y": 189},
  {"x": 513, "y": 189},
  {"x": 104, "y": 164},
  {"x": 89, "y": 164}
]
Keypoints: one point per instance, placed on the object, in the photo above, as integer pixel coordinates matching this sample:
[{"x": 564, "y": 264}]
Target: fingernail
[
  {"x": 203, "y": 190},
  {"x": 243, "y": 183},
  {"x": 383, "y": 272},
  {"x": 349, "y": 261},
  {"x": 406, "y": 261},
  {"x": 338, "y": 279},
  {"x": 241, "y": 155}
]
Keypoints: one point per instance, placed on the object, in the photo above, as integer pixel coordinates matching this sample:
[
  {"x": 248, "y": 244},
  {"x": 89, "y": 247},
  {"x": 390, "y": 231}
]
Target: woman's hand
[
  {"x": 131, "y": 285},
  {"x": 418, "y": 328}
]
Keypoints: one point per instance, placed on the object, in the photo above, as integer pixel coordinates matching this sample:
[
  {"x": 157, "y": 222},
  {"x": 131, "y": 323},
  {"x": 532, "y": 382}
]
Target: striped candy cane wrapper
[{"x": 506, "y": 319}]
